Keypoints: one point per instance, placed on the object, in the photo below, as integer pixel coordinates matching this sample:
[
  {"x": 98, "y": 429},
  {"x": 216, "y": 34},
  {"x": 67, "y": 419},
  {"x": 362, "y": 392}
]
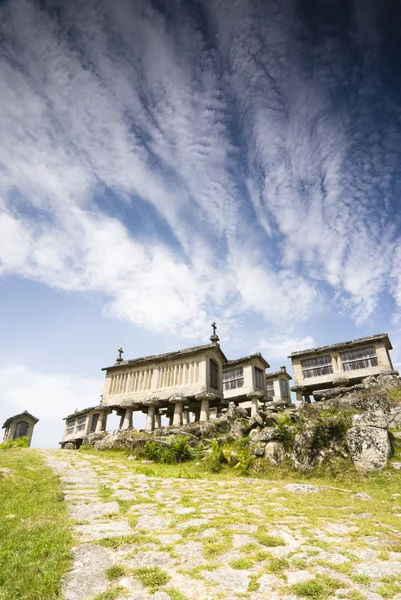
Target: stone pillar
[
  {"x": 127, "y": 423},
  {"x": 170, "y": 419},
  {"x": 254, "y": 406},
  {"x": 178, "y": 409},
  {"x": 88, "y": 423},
  {"x": 158, "y": 419},
  {"x": 307, "y": 399},
  {"x": 197, "y": 414},
  {"x": 101, "y": 422},
  {"x": 204, "y": 410},
  {"x": 120, "y": 426},
  {"x": 150, "y": 418},
  {"x": 185, "y": 416},
  {"x": 299, "y": 396}
]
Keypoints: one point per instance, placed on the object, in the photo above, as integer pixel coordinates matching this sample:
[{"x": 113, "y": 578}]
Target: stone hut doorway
[{"x": 21, "y": 429}]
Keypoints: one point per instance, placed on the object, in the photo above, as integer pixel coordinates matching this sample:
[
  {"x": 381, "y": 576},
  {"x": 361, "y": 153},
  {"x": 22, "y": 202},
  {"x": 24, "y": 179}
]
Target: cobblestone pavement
[{"x": 141, "y": 537}]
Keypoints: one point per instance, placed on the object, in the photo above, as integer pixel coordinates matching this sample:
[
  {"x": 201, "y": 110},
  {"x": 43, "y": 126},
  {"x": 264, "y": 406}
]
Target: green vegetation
[
  {"x": 236, "y": 455},
  {"x": 151, "y": 577},
  {"x": 34, "y": 529},
  {"x": 114, "y": 572},
  {"x": 174, "y": 594},
  {"x": 390, "y": 587},
  {"x": 113, "y": 593},
  {"x": 22, "y": 442},
  {"x": 269, "y": 540},
  {"x": 253, "y": 585},
  {"x": 287, "y": 430},
  {"x": 126, "y": 540},
  {"x": 277, "y": 565},
  {"x": 241, "y": 563},
  {"x": 321, "y": 588},
  {"x": 177, "y": 450}
]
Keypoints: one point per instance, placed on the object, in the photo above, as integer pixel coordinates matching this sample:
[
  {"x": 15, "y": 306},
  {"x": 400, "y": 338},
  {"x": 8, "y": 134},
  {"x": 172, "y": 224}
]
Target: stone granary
[
  {"x": 18, "y": 426},
  {"x": 318, "y": 370},
  {"x": 277, "y": 384},
  {"x": 193, "y": 384}
]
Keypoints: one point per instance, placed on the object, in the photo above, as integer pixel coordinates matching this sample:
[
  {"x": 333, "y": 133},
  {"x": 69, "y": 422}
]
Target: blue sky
[{"x": 166, "y": 164}]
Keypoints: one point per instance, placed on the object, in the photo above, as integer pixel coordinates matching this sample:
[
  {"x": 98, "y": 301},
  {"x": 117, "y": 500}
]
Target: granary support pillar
[
  {"x": 101, "y": 422},
  {"x": 204, "y": 410},
  {"x": 254, "y": 406},
  {"x": 299, "y": 396},
  {"x": 150, "y": 418},
  {"x": 158, "y": 419},
  {"x": 127, "y": 423},
  {"x": 178, "y": 410},
  {"x": 185, "y": 416}
]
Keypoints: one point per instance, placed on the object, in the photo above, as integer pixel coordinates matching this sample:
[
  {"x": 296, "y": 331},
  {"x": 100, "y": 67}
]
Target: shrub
[
  {"x": 21, "y": 442},
  {"x": 84, "y": 447},
  {"x": 216, "y": 459},
  {"x": 327, "y": 428},
  {"x": 177, "y": 451},
  {"x": 287, "y": 430}
]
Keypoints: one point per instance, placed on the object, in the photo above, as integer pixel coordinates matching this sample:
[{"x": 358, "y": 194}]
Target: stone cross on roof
[
  {"x": 214, "y": 337},
  {"x": 120, "y": 353}
]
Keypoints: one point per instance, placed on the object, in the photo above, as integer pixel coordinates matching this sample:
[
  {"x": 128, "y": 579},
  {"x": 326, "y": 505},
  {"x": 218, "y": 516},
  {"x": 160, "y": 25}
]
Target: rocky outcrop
[
  {"x": 352, "y": 425},
  {"x": 274, "y": 452},
  {"x": 369, "y": 447}
]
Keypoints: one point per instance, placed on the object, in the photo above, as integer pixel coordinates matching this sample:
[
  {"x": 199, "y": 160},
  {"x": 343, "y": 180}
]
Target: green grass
[
  {"x": 174, "y": 594},
  {"x": 22, "y": 442},
  {"x": 390, "y": 587},
  {"x": 127, "y": 540},
  {"x": 269, "y": 540},
  {"x": 34, "y": 530},
  {"x": 321, "y": 588},
  {"x": 241, "y": 563},
  {"x": 114, "y": 572},
  {"x": 253, "y": 585},
  {"x": 277, "y": 566},
  {"x": 151, "y": 577},
  {"x": 113, "y": 593}
]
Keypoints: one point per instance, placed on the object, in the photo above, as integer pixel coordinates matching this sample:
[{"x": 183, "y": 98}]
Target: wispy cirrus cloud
[{"x": 215, "y": 120}]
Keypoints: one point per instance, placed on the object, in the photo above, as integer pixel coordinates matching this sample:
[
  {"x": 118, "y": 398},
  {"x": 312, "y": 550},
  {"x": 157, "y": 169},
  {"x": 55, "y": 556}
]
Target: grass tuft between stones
[
  {"x": 174, "y": 594},
  {"x": 116, "y": 592},
  {"x": 241, "y": 564},
  {"x": 151, "y": 577},
  {"x": 321, "y": 588},
  {"x": 114, "y": 572}
]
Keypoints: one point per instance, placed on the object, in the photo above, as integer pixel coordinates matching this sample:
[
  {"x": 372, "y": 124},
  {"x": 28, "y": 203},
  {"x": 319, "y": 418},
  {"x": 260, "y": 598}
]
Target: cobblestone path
[{"x": 141, "y": 538}]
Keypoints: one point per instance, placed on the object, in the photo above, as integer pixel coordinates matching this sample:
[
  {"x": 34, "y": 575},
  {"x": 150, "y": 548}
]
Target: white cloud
[
  {"x": 68, "y": 130},
  {"x": 281, "y": 346},
  {"x": 128, "y": 102},
  {"x": 48, "y": 396}
]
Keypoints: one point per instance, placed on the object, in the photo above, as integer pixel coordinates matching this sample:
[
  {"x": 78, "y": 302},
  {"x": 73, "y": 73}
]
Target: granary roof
[
  {"x": 167, "y": 356},
  {"x": 237, "y": 361},
  {"x": 79, "y": 413},
  {"x": 344, "y": 345},
  {"x": 23, "y": 414},
  {"x": 276, "y": 373}
]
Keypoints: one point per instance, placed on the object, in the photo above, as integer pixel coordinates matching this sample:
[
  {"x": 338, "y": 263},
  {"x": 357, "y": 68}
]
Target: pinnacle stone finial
[
  {"x": 214, "y": 337},
  {"x": 120, "y": 353}
]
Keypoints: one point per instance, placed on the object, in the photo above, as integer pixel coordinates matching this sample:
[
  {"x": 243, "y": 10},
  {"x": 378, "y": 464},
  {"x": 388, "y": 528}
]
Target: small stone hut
[{"x": 18, "y": 426}]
